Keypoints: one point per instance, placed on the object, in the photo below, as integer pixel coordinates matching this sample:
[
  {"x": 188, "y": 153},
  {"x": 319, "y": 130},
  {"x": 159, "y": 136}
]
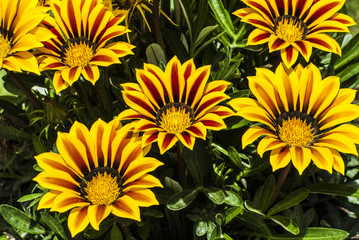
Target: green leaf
[
  {"x": 169, "y": 182},
  {"x": 54, "y": 224},
  {"x": 222, "y": 16},
  {"x": 203, "y": 34},
  {"x": 334, "y": 189},
  {"x": 105, "y": 226},
  {"x": 11, "y": 133},
  {"x": 232, "y": 198},
  {"x": 350, "y": 52},
  {"x": 201, "y": 228},
  {"x": 38, "y": 144},
  {"x": 29, "y": 197},
  {"x": 316, "y": 233},
  {"x": 349, "y": 72},
  {"x": 116, "y": 233},
  {"x": 233, "y": 212},
  {"x": 286, "y": 223},
  {"x": 250, "y": 207},
  {"x": 181, "y": 200},
  {"x": 234, "y": 156},
  {"x": 155, "y": 54},
  {"x": 264, "y": 195},
  {"x": 214, "y": 194},
  {"x": 289, "y": 201},
  {"x": 19, "y": 220}
]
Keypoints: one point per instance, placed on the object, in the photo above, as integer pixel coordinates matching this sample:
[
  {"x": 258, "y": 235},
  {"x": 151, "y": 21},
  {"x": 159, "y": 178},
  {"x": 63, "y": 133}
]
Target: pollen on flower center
[
  {"x": 297, "y": 129},
  {"x": 102, "y": 186},
  {"x": 5, "y": 46},
  {"x": 290, "y": 28},
  {"x": 77, "y": 52},
  {"x": 175, "y": 117}
]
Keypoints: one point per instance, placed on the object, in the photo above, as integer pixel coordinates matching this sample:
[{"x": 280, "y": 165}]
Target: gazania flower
[
  {"x": 304, "y": 118},
  {"x": 295, "y": 26},
  {"x": 177, "y": 104},
  {"x": 82, "y": 29},
  {"x": 19, "y": 33},
  {"x": 97, "y": 172}
]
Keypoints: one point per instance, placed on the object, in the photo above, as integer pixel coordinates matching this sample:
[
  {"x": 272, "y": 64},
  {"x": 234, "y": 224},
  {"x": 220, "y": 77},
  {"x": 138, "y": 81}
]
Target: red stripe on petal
[
  {"x": 195, "y": 131},
  {"x": 152, "y": 138},
  {"x": 55, "y": 65},
  {"x": 72, "y": 73},
  {"x": 320, "y": 42},
  {"x": 280, "y": 6},
  {"x": 97, "y": 23},
  {"x": 196, "y": 85},
  {"x": 51, "y": 47},
  {"x": 260, "y": 37},
  {"x": 174, "y": 82},
  {"x": 89, "y": 72},
  {"x": 72, "y": 18},
  {"x": 208, "y": 103},
  {"x": 260, "y": 23},
  {"x": 141, "y": 103},
  {"x": 145, "y": 127},
  {"x": 277, "y": 43},
  {"x": 102, "y": 58},
  {"x": 187, "y": 138},
  {"x": 168, "y": 139},
  {"x": 289, "y": 54},
  {"x": 187, "y": 71},
  {"x": 321, "y": 11},
  {"x": 210, "y": 123},
  {"x": 327, "y": 29},
  {"x": 302, "y": 47},
  {"x": 152, "y": 88},
  {"x": 261, "y": 8}
]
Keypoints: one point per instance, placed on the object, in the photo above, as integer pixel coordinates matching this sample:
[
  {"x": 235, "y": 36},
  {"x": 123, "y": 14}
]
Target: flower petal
[
  {"x": 301, "y": 157},
  {"x": 127, "y": 208},
  {"x": 166, "y": 141},
  {"x": 97, "y": 213},
  {"x": 269, "y": 143},
  {"x": 279, "y": 158},
  {"x": 253, "y": 133},
  {"x": 48, "y": 199},
  {"x": 78, "y": 220},
  {"x": 322, "y": 158},
  {"x": 66, "y": 201}
]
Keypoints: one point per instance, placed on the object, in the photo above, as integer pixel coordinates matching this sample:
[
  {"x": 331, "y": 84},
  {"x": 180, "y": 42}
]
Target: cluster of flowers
[{"x": 104, "y": 169}]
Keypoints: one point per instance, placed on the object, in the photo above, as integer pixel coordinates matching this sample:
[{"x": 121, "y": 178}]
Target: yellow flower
[
  {"x": 177, "y": 104},
  {"x": 19, "y": 33},
  {"x": 97, "y": 172},
  {"x": 295, "y": 26},
  {"x": 82, "y": 29},
  {"x": 303, "y": 115}
]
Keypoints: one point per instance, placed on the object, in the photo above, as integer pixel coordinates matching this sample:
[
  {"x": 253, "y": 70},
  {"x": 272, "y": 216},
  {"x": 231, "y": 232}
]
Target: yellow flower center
[
  {"x": 290, "y": 28},
  {"x": 175, "y": 117},
  {"x": 4, "y": 46},
  {"x": 296, "y": 132},
  {"x": 77, "y": 53},
  {"x": 102, "y": 189}
]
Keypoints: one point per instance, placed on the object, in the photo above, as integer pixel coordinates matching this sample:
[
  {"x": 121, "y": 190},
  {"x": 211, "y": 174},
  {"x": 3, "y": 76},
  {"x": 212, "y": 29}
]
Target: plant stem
[
  {"x": 85, "y": 100},
  {"x": 156, "y": 23},
  {"x": 33, "y": 100},
  {"x": 279, "y": 184},
  {"x": 181, "y": 167},
  {"x": 105, "y": 99}
]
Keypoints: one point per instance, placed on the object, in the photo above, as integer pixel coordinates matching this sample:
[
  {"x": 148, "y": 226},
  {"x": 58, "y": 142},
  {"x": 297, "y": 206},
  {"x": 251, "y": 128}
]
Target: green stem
[
  {"x": 33, "y": 100},
  {"x": 104, "y": 98},
  {"x": 85, "y": 100},
  {"x": 181, "y": 167},
  {"x": 279, "y": 184},
  {"x": 156, "y": 23}
]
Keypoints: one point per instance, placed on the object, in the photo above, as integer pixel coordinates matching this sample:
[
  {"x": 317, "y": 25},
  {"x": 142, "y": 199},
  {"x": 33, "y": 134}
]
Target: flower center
[
  {"x": 102, "y": 186},
  {"x": 5, "y": 45},
  {"x": 290, "y": 28},
  {"x": 296, "y": 129},
  {"x": 175, "y": 117},
  {"x": 77, "y": 52}
]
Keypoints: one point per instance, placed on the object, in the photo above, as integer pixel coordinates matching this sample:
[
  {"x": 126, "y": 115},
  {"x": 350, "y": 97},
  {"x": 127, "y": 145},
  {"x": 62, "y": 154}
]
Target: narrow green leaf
[
  {"x": 181, "y": 200},
  {"x": 222, "y": 16},
  {"x": 286, "y": 223},
  {"x": 289, "y": 201},
  {"x": 155, "y": 54},
  {"x": 234, "y": 156},
  {"x": 54, "y": 224},
  {"x": 38, "y": 144},
  {"x": 349, "y": 72},
  {"x": 349, "y": 53},
  {"x": 334, "y": 189},
  {"x": 11, "y": 133},
  {"x": 201, "y": 16},
  {"x": 29, "y": 197},
  {"x": 214, "y": 194},
  {"x": 233, "y": 212},
  {"x": 203, "y": 34},
  {"x": 315, "y": 233},
  {"x": 264, "y": 195},
  {"x": 250, "y": 207},
  {"x": 19, "y": 220}
]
